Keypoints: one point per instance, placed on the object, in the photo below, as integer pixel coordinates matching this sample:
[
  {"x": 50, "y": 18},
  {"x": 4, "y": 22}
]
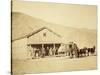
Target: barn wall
[
  {"x": 48, "y": 38},
  {"x": 19, "y": 49}
]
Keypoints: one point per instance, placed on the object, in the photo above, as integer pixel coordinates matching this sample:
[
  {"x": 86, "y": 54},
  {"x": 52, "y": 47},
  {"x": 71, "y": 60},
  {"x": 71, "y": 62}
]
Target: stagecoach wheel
[
  {"x": 42, "y": 55},
  {"x": 76, "y": 54},
  {"x": 68, "y": 54},
  {"x": 33, "y": 57},
  {"x": 71, "y": 55}
]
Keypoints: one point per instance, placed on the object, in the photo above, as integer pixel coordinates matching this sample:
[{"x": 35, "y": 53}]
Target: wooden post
[
  {"x": 54, "y": 48},
  {"x": 42, "y": 46},
  {"x": 42, "y": 52}
]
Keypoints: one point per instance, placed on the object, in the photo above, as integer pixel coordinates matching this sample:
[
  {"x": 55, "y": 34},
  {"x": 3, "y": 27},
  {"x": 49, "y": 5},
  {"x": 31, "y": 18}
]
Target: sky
[{"x": 71, "y": 15}]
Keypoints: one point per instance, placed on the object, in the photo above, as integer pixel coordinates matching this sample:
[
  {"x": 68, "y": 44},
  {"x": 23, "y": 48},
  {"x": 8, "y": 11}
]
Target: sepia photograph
[{"x": 52, "y": 37}]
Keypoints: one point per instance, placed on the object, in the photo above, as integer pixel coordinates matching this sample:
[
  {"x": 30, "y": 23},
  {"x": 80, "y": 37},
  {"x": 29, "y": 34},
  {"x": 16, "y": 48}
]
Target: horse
[
  {"x": 86, "y": 51},
  {"x": 83, "y": 52},
  {"x": 91, "y": 50}
]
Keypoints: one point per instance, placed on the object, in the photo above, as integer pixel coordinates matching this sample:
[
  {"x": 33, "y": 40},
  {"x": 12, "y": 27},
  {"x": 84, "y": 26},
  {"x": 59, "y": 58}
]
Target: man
[{"x": 51, "y": 51}]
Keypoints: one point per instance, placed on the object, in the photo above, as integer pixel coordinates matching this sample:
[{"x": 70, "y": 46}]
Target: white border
[
  {"x": 5, "y": 26},
  {"x": 92, "y": 2}
]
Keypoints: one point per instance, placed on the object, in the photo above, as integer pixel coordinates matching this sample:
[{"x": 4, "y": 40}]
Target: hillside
[{"x": 23, "y": 24}]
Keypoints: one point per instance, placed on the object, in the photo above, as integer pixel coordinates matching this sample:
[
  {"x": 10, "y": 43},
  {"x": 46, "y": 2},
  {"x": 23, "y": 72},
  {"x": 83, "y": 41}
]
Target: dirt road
[{"x": 54, "y": 64}]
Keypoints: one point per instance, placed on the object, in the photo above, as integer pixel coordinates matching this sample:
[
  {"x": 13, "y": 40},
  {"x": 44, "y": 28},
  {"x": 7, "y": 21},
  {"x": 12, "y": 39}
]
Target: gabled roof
[
  {"x": 34, "y": 32},
  {"x": 41, "y": 30}
]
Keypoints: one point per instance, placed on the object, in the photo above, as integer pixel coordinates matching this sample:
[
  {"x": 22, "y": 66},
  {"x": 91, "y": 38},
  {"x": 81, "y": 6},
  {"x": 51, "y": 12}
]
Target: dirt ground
[{"x": 53, "y": 64}]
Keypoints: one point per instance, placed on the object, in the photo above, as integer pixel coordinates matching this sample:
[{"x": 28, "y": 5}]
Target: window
[{"x": 44, "y": 34}]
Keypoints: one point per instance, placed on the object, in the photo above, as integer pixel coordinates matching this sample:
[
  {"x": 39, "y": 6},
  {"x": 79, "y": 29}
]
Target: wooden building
[{"x": 41, "y": 38}]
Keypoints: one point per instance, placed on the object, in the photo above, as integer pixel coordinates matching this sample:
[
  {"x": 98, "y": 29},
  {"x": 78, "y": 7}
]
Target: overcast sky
[{"x": 79, "y": 16}]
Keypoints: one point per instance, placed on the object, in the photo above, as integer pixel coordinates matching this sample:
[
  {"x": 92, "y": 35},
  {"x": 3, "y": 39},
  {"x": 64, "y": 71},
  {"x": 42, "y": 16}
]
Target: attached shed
[
  {"x": 19, "y": 48},
  {"x": 41, "y": 38}
]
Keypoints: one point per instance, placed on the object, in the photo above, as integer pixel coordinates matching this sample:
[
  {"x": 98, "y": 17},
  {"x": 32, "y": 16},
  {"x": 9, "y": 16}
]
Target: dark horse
[
  {"x": 91, "y": 50},
  {"x": 86, "y": 51},
  {"x": 82, "y": 52}
]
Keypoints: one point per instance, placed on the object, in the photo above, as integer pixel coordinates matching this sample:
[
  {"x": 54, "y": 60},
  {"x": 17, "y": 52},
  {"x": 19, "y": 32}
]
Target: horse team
[{"x": 70, "y": 50}]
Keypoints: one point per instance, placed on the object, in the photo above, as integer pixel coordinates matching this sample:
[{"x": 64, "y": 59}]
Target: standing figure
[
  {"x": 37, "y": 52},
  {"x": 47, "y": 51},
  {"x": 51, "y": 51}
]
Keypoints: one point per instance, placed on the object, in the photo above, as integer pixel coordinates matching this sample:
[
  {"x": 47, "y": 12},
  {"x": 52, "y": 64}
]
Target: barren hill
[{"x": 23, "y": 24}]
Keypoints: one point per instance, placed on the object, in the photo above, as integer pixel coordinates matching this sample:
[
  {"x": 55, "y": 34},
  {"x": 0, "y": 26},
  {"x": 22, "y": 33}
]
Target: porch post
[
  {"x": 54, "y": 49},
  {"x": 43, "y": 51},
  {"x": 42, "y": 46},
  {"x": 54, "y": 46}
]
